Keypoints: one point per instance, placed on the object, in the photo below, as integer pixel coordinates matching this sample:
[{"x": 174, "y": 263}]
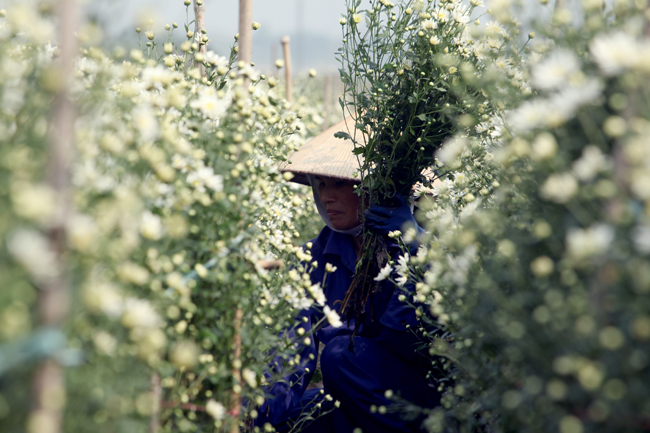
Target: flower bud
[{"x": 256, "y": 25}]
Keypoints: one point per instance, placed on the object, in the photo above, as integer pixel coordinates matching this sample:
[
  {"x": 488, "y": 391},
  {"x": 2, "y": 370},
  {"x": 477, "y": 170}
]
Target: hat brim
[{"x": 326, "y": 155}]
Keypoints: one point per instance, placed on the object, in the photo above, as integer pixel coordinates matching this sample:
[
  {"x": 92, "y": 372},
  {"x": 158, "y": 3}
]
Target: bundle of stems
[{"x": 404, "y": 91}]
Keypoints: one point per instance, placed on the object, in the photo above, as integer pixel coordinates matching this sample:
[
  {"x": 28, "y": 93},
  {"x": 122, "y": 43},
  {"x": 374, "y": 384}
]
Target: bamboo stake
[
  {"x": 245, "y": 41},
  {"x": 48, "y": 392},
  {"x": 156, "y": 390},
  {"x": 328, "y": 101},
  {"x": 287, "y": 67},
  {"x": 235, "y": 403},
  {"x": 199, "y": 25}
]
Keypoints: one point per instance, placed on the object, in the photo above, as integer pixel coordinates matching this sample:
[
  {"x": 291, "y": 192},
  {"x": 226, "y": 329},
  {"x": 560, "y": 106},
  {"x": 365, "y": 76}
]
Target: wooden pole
[
  {"x": 245, "y": 41},
  {"x": 287, "y": 67},
  {"x": 328, "y": 101},
  {"x": 199, "y": 25},
  {"x": 235, "y": 403},
  {"x": 156, "y": 390},
  {"x": 48, "y": 392}
]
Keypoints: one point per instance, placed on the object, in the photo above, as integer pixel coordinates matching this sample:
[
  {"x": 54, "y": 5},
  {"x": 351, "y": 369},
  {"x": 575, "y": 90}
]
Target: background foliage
[{"x": 535, "y": 258}]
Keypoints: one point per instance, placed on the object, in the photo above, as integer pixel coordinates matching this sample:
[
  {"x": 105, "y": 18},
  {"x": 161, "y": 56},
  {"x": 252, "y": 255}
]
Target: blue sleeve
[{"x": 286, "y": 393}]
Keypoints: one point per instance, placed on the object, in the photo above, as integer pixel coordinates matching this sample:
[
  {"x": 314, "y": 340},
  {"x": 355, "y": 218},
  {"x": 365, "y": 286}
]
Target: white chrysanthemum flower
[
  {"x": 103, "y": 297},
  {"x": 559, "y": 188},
  {"x": 215, "y": 409},
  {"x": 316, "y": 291},
  {"x": 329, "y": 268},
  {"x": 384, "y": 273},
  {"x": 429, "y": 25},
  {"x": 151, "y": 226},
  {"x": 156, "y": 77},
  {"x": 250, "y": 377},
  {"x": 332, "y": 317},
  {"x": 494, "y": 28},
  {"x": 250, "y": 72},
  {"x": 589, "y": 242},
  {"x": 641, "y": 238},
  {"x": 146, "y": 123},
  {"x": 590, "y": 164},
  {"x": 215, "y": 60},
  {"x": 139, "y": 313},
  {"x": 441, "y": 14},
  {"x": 179, "y": 163},
  {"x": 555, "y": 70},
  {"x": 571, "y": 98},
  {"x": 614, "y": 52},
  {"x": 460, "y": 15},
  {"x": 529, "y": 115},
  {"x": 402, "y": 269},
  {"x": 544, "y": 146},
  {"x": 451, "y": 149},
  {"x": 33, "y": 251},
  {"x": 210, "y": 105},
  {"x": 105, "y": 343},
  {"x": 204, "y": 177}
]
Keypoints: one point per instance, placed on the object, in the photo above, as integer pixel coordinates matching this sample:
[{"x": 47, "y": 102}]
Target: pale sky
[{"x": 313, "y": 26}]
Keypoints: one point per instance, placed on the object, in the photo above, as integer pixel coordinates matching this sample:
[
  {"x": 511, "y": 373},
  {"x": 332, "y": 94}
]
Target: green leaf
[{"x": 342, "y": 134}]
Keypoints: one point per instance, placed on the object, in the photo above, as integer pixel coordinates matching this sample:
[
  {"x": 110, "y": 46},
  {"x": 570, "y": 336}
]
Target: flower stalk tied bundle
[{"x": 405, "y": 94}]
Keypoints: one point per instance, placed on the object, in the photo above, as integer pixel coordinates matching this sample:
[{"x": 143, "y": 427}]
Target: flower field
[{"x": 152, "y": 268}]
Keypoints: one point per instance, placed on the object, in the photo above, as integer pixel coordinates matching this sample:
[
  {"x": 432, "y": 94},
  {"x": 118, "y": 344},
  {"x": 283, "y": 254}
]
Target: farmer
[{"x": 385, "y": 356}]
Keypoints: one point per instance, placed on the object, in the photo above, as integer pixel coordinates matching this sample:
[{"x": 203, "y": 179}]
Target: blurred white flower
[
  {"x": 332, "y": 317},
  {"x": 451, "y": 149},
  {"x": 156, "y": 77},
  {"x": 215, "y": 409},
  {"x": 215, "y": 60},
  {"x": 590, "y": 164},
  {"x": 146, "y": 123},
  {"x": 36, "y": 202},
  {"x": 105, "y": 342},
  {"x": 81, "y": 232},
  {"x": 204, "y": 176},
  {"x": 103, "y": 297},
  {"x": 295, "y": 298},
  {"x": 250, "y": 72},
  {"x": 544, "y": 146},
  {"x": 210, "y": 105},
  {"x": 589, "y": 242},
  {"x": 529, "y": 115},
  {"x": 460, "y": 15},
  {"x": 614, "y": 52},
  {"x": 317, "y": 293},
  {"x": 555, "y": 70},
  {"x": 559, "y": 188},
  {"x": 139, "y": 313},
  {"x": 641, "y": 238},
  {"x": 32, "y": 250},
  {"x": 250, "y": 377},
  {"x": 429, "y": 25},
  {"x": 151, "y": 226}
]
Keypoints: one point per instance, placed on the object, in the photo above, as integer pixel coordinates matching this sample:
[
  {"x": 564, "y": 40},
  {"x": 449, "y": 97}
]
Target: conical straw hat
[{"x": 326, "y": 155}]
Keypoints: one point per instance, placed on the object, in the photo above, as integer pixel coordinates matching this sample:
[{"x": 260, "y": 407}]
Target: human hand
[{"x": 383, "y": 219}]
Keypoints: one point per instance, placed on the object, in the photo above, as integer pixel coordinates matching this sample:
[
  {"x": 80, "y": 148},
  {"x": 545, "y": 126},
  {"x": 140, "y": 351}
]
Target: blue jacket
[{"x": 385, "y": 321}]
